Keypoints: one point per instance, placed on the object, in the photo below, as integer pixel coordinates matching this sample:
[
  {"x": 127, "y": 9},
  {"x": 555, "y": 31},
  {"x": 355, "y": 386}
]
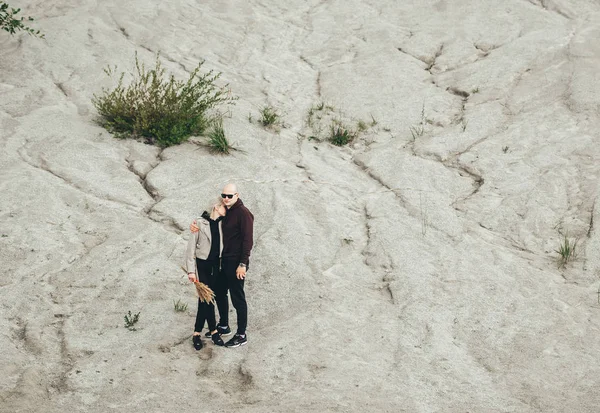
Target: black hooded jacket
[{"x": 238, "y": 233}]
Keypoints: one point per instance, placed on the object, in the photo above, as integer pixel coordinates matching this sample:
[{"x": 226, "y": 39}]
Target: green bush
[
  {"x": 161, "y": 109},
  {"x": 12, "y": 24}
]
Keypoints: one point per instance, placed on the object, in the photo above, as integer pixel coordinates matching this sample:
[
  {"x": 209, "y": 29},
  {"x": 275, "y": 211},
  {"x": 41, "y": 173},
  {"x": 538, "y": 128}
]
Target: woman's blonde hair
[{"x": 212, "y": 204}]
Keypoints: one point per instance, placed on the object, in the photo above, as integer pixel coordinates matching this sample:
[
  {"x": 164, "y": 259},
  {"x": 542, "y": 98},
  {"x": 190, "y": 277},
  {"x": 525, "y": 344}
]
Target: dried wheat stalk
[{"x": 204, "y": 292}]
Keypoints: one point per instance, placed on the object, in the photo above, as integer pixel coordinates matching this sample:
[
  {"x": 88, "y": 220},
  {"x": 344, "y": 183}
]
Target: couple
[{"x": 217, "y": 255}]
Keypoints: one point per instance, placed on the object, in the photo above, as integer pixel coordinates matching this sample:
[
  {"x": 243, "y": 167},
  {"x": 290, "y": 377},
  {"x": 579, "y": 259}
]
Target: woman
[{"x": 203, "y": 260}]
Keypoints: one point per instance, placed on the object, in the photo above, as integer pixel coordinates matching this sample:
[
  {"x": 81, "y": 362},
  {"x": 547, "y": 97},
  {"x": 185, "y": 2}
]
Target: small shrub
[
  {"x": 10, "y": 22},
  {"x": 269, "y": 116},
  {"x": 505, "y": 149},
  {"x": 217, "y": 141},
  {"x": 340, "y": 135},
  {"x": 131, "y": 320},
  {"x": 179, "y": 306},
  {"x": 566, "y": 251},
  {"x": 161, "y": 109}
]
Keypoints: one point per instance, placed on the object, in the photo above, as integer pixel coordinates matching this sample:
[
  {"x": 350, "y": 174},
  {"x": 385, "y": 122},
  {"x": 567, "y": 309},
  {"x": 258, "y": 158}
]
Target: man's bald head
[
  {"x": 230, "y": 189},
  {"x": 229, "y": 195}
]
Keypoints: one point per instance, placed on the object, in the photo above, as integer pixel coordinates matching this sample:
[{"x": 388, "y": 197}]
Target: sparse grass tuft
[
  {"x": 340, "y": 135},
  {"x": 312, "y": 113},
  {"x": 269, "y": 116},
  {"x": 361, "y": 125},
  {"x": 217, "y": 141},
  {"x": 179, "y": 306},
  {"x": 162, "y": 110},
  {"x": 566, "y": 251},
  {"x": 419, "y": 129},
  {"x": 131, "y": 320}
]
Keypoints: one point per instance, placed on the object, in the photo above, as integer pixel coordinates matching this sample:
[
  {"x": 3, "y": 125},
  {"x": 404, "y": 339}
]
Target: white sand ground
[{"x": 389, "y": 276}]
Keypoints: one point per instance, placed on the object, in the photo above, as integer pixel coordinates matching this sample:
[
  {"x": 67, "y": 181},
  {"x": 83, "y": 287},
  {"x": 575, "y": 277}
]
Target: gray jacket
[{"x": 198, "y": 245}]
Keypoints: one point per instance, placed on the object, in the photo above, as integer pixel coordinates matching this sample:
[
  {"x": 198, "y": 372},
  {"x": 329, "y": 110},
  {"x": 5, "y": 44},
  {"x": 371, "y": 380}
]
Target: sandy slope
[{"x": 392, "y": 275}]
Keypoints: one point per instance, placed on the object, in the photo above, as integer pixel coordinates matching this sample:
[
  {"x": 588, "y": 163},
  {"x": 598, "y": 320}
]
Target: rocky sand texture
[{"x": 400, "y": 273}]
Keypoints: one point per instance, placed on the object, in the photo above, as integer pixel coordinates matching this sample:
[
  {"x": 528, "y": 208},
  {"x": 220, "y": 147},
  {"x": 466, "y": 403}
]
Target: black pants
[
  {"x": 208, "y": 273},
  {"x": 238, "y": 298}
]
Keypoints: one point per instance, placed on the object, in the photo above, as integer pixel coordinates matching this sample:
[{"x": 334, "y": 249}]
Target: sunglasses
[{"x": 228, "y": 196}]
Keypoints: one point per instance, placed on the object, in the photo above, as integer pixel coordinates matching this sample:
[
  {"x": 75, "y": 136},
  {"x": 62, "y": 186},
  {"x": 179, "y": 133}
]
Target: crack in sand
[
  {"x": 165, "y": 56},
  {"x": 43, "y": 166},
  {"x": 61, "y": 87},
  {"x": 66, "y": 360},
  {"x": 453, "y": 163},
  {"x": 591, "y": 224},
  {"x": 377, "y": 269},
  {"x": 364, "y": 168},
  {"x": 553, "y": 8},
  {"x": 168, "y": 222},
  {"x": 318, "y": 78},
  {"x": 429, "y": 61}
]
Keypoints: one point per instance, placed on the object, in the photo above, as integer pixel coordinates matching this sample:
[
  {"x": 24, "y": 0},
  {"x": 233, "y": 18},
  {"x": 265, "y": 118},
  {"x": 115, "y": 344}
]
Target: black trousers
[
  {"x": 208, "y": 273},
  {"x": 238, "y": 297}
]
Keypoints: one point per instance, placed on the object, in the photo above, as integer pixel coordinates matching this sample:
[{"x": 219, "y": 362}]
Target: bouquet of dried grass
[{"x": 204, "y": 292}]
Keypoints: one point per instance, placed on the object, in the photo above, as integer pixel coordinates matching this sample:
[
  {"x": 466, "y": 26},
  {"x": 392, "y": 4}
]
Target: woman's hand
[
  {"x": 192, "y": 277},
  {"x": 194, "y": 226}
]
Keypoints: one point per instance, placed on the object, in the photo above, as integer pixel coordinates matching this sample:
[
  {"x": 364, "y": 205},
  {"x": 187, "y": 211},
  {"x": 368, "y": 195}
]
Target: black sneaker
[
  {"x": 197, "y": 342},
  {"x": 224, "y": 331},
  {"x": 237, "y": 340},
  {"x": 216, "y": 338}
]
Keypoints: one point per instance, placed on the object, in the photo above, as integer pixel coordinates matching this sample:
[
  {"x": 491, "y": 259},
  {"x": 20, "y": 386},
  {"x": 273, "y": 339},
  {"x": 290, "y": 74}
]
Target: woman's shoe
[
  {"x": 197, "y": 342},
  {"x": 216, "y": 338},
  {"x": 223, "y": 330}
]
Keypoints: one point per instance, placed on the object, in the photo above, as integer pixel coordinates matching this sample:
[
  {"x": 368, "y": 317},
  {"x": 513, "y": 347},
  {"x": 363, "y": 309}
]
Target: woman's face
[{"x": 220, "y": 209}]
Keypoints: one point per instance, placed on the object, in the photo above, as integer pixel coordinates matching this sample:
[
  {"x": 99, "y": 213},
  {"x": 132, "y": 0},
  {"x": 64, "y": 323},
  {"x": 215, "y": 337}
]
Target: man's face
[{"x": 229, "y": 196}]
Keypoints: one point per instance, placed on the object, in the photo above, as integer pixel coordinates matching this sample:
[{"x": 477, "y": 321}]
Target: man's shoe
[
  {"x": 237, "y": 340},
  {"x": 216, "y": 338},
  {"x": 224, "y": 331},
  {"x": 197, "y": 342}
]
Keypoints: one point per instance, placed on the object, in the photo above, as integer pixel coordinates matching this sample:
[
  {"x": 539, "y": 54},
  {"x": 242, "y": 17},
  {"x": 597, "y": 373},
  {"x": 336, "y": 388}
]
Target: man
[{"x": 237, "y": 227}]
